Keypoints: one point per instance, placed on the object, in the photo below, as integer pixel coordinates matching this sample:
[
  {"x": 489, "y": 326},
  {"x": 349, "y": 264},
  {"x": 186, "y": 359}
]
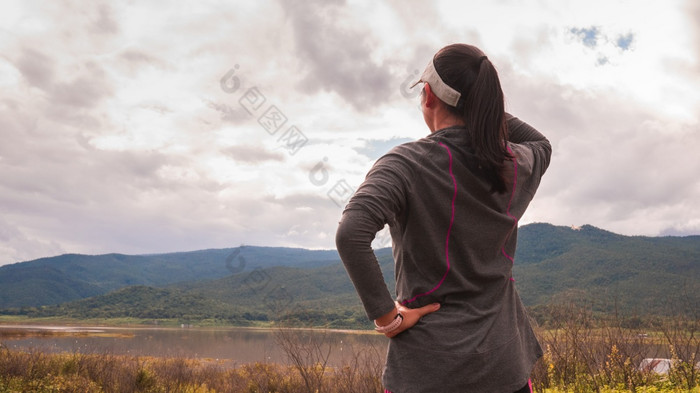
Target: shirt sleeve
[
  {"x": 377, "y": 202},
  {"x": 353, "y": 241},
  {"x": 522, "y": 133}
]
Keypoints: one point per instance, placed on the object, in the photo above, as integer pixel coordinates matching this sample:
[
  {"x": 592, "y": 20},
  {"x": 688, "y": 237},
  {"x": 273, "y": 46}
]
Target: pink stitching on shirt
[
  {"x": 447, "y": 238},
  {"x": 515, "y": 220}
]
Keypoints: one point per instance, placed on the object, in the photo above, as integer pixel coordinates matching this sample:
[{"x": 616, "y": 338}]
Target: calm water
[{"x": 233, "y": 345}]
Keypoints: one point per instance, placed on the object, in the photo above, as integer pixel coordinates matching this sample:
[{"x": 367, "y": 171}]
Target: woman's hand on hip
[{"x": 411, "y": 316}]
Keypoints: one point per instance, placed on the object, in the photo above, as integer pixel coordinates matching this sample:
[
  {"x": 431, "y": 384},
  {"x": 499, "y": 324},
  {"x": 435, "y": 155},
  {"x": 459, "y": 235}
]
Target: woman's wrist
[
  {"x": 387, "y": 318},
  {"x": 391, "y": 326}
]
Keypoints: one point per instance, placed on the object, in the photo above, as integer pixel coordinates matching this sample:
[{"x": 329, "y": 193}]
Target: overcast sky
[{"x": 148, "y": 127}]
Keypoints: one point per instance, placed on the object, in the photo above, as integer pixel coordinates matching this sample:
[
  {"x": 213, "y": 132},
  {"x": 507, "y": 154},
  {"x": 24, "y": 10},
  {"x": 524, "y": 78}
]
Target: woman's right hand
[{"x": 411, "y": 316}]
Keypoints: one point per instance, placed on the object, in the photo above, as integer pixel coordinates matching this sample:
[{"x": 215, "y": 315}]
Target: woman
[{"x": 452, "y": 201}]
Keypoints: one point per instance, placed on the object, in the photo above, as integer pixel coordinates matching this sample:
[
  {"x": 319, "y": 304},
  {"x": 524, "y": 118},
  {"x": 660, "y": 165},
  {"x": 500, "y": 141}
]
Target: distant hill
[
  {"x": 318, "y": 296},
  {"x": 69, "y": 277},
  {"x": 635, "y": 273},
  {"x": 644, "y": 275},
  {"x": 142, "y": 302}
]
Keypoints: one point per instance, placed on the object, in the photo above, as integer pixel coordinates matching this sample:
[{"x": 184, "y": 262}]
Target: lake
[{"x": 229, "y": 345}]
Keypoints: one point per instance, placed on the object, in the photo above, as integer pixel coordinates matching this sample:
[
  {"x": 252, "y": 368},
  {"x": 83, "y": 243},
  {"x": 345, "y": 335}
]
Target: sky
[{"x": 145, "y": 127}]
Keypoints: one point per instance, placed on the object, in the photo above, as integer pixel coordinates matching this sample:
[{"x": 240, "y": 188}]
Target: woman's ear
[{"x": 429, "y": 96}]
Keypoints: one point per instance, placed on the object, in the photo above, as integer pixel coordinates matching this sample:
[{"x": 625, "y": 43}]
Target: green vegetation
[
  {"x": 637, "y": 275},
  {"x": 48, "y": 373},
  {"x": 640, "y": 277},
  {"x": 617, "y": 297},
  {"x": 69, "y": 277},
  {"x": 583, "y": 353},
  {"x": 588, "y": 352},
  {"x": 308, "y": 371},
  {"x": 237, "y": 300}
]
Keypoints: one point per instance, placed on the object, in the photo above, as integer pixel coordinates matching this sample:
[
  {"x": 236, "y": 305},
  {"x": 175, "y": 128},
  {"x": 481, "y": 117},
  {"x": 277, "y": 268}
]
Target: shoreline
[{"x": 64, "y": 325}]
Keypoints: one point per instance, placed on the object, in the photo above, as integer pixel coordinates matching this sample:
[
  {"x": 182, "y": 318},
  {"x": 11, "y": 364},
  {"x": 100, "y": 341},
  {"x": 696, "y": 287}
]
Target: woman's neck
[{"x": 444, "y": 119}]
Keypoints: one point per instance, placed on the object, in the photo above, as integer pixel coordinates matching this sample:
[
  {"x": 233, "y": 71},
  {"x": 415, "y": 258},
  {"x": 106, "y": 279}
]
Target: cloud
[
  {"x": 96, "y": 200},
  {"x": 16, "y": 246},
  {"x": 229, "y": 113},
  {"x": 35, "y": 67},
  {"x": 251, "y": 154},
  {"x": 117, "y": 135},
  {"x": 693, "y": 8},
  {"x": 625, "y": 169},
  {"x": 690, "y": 228},
  {"x": 134, "y": 60},
  {"x": 105, "y": 23},
  {"x": 84, "y": 91},
  {"x": 84, "y": 86},
  {"x": 336, "y": 57},
  {"x": 61, "y": 193}
]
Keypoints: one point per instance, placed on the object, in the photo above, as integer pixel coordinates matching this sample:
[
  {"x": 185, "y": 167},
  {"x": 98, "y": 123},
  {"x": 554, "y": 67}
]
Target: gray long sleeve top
[{"x": 453, "y": 242}]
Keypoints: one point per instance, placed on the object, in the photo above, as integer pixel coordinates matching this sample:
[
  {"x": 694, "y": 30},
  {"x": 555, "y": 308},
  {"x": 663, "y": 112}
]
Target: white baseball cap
[{"x": 444, "y": 92}]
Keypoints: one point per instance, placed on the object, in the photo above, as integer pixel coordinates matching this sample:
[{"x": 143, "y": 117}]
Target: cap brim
[{"x": 415, "y": 83}]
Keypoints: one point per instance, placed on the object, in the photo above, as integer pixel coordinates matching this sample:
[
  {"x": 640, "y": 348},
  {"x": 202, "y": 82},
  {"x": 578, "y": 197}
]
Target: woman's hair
[{"x": 466, "y": 69}]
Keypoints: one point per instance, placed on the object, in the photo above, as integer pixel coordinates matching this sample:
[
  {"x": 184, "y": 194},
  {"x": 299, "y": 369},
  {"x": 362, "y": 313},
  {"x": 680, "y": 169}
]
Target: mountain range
[
  {"x": 614, "y": 273},
  {"x": 68, "y": 277}
]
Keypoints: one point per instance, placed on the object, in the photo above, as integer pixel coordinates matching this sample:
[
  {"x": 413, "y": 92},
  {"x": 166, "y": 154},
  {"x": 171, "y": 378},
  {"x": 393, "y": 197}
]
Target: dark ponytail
[{"x": 466, "y": 69}]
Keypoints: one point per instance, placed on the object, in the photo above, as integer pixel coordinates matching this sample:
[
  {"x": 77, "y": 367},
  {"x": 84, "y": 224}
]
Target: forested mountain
[
  {"x": 643, "y": 275},
  {"x": 318, "y": 296},
  {"x": 635, "y": 273},
  {"x": 68, "y": 277}
]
